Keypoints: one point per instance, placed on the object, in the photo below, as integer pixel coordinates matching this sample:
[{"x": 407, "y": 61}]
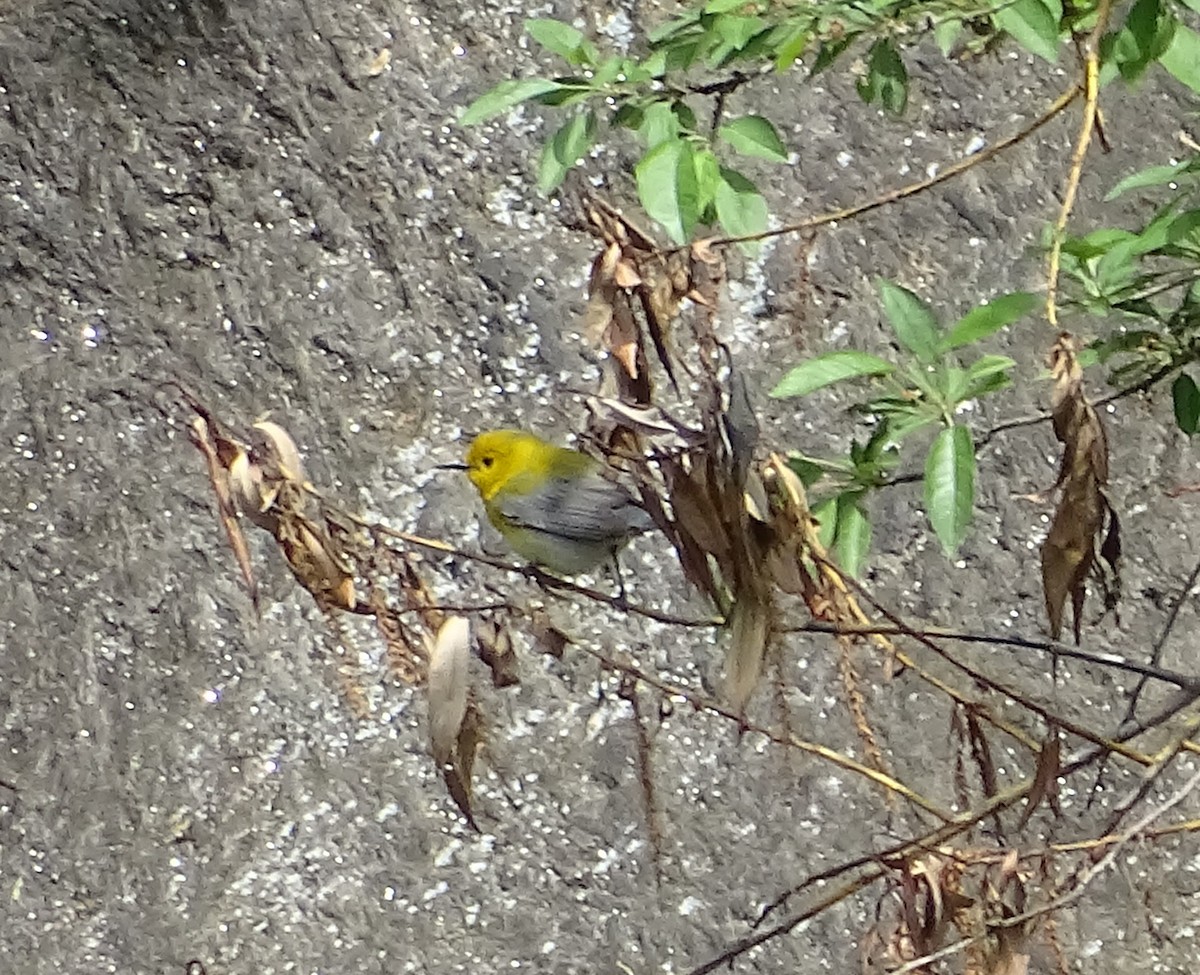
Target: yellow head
[{"x": 500, "y": 458}]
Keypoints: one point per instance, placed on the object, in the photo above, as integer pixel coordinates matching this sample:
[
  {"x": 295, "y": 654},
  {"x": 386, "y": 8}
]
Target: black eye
[{"x": 487, "y": 461}]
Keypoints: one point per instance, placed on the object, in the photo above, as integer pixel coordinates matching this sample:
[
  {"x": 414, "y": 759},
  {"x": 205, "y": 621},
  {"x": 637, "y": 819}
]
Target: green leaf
[
  {"x": 708, "y": 179},
  {"x": 629, "y": 115},
  {"x": 1187, "y": 403},
  {"x": 723, "y": 6},
  {"x": 684, "y": 22},
  {"x": 1143, "y": 39},
  {"x": 737, "y": 32},
  {"x": 830, "y": 368},
  {"x": 564, "y": 150},
  {"x": 791, "y": 48},
  {"x": 659, "y": 124},
  {"x": 741, "y": 209},
  {"x": 950, "y": 485},
  {"x": 900, "y": 424},
  {"x": 825, "y": 515},
  {"x": 981, "y": 322},
  {"x": 1032, "y": 25},
  {"x": 666, "y": 182},
  {"x": 504, "y": 96},
  {"x": 946, "y": 33},
  {"x": 852, "y": 538},
  {"x": 911, "y": 319},
  {"x": 828, "y": 52},
  {"x": 987, "y": 374},
  {"x": 753, "y": 135},
  {"x": 1182, "y": 57},
  {"x": 562, "y": 39},
  {"x": 1152, "y": 176},
  {"x": 808, "y": 471},
  {"x": 887, "y": 80}
]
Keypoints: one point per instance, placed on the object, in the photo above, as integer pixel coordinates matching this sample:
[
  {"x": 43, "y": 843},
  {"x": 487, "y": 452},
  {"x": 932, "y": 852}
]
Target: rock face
[{"x": 227, "y": 194}]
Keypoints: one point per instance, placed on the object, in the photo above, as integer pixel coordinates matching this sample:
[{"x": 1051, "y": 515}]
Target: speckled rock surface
[{"x": 221, "y": 192}]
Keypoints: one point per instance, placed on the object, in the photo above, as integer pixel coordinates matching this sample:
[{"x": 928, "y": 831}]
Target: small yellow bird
[{"x": 552, "y": 504}]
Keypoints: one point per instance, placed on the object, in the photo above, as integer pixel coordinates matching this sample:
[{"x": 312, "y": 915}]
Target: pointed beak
[{"x": 451, "y": 467}]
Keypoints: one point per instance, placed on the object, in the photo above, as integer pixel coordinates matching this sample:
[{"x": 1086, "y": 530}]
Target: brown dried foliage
[
  {"x": 949, "y": 894},
  {"x": 1085, "y": 519},
  {"x": 259, "y": 476}
]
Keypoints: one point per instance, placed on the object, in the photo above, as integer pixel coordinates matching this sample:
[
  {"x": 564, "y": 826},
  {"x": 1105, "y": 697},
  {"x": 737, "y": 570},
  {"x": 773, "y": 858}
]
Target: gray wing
[{"x": 591, "y": 508}]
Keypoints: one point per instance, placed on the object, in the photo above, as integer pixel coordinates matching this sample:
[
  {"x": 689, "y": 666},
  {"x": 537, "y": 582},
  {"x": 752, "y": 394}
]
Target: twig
[
  {"x": 994, "y": 685},
  {"x": 954, "y": 169},
  {"x": 537, "y": 575},
  {"x": 1091, "y": 86},
  {"x": 1147, "y": 671},
  {"x": 876, "y": 871},
  {"x": 704, "y": 703},
  {"x": 1067, "y": 898},
  {"x": 1160, "y": 643}
]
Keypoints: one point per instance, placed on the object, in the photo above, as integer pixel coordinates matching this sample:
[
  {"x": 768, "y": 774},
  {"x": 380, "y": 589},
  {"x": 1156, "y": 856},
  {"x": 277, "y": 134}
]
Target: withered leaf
[
  {"x": 208, "y": 441},
  {"x": 739, "y": 425},
  {"x": 749, "y": 629},
  {"x": 449, "y": 658},
  {"x": 315, "y": 561},
  {"x": 602, "y": 293},
  {"x": 1045, "y": 779},
  {"x": 496, "y": 650},
  {"x": 549, "y": 637},
  {"x": 982, "y": 753},
  {"x": 694, "y": 507},
  {"x": 285, "y": 453},
  {"x": 1069, "y": 552},
  {"x": 457, "y": 773}
]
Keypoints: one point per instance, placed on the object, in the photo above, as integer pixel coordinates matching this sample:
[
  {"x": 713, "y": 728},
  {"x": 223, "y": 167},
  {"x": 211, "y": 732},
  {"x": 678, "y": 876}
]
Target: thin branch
[
  {"x": 702, "y": 702},
  {"x": 892, "y": 196},
  {"x": 1070, "y": 896},
  {"x": 1147, "y": 671},
  {"x": 994, "y": 685},
  {"x": 1091, "y": 85},
  {"x": 1161, "y": 642},
  {"x": 542, "y": 578},
  {"x": 875, "y": 871}
]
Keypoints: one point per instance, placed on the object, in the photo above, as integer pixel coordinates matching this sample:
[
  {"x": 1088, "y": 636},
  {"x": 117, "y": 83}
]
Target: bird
[{"x": 553, "y": 505}]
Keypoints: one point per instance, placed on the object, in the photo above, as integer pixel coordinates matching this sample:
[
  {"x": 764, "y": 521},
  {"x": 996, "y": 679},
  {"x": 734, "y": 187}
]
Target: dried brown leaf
[
  {"x": 449, "y": 659},
  {"x": 496, "y": 650},
  {"x": 1069, "y": 552},
  {"x": 1009, "y": 958},
  {"x": 706, "y": 276},
  {"x": 548, "y": 637},
  {"x": 315, "y": 562},
  {"x": 1045, "y": 779},
  {"x": 404, "y": 660},
  {"x": 982, "y": 753},
  {"x": 857, "y": 703},
  {"x": 625, "y": 275},
  {"x": 695, "y": 509},
  {"x": 283, "y": 450},
  {"x": 749, "y": 629},
  {"x": 457, "y": 772},
  {"x": 209, "y": 442}
]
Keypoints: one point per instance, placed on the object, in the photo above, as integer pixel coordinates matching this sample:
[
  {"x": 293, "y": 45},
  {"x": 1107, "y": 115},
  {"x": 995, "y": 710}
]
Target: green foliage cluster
[
  {"x": 686, "y": 176},
  {"x": 928, "y": 387},
  {"x": 1147, "y": 280}
]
